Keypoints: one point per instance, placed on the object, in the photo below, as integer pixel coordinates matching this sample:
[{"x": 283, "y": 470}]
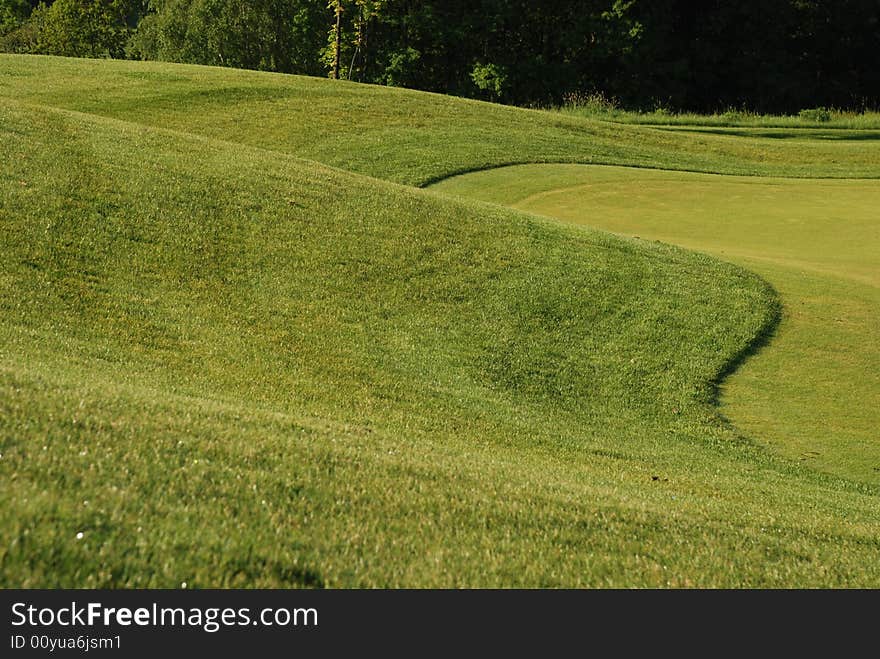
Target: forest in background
[{"x": 767, "y": 56}]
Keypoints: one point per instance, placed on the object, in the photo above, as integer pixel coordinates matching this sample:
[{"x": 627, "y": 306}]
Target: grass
[
  {"x": 226, "y": 365},
  {"x": 814, "y": 395},
  {"x": 396, "y": 134},
  {"x": 601, "y": 108}
]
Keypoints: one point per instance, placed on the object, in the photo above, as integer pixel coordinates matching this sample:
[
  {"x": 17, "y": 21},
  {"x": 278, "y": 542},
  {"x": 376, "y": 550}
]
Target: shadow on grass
[
  {"x": 839, "y": 134},
  {"x": 762, "y": 339}
]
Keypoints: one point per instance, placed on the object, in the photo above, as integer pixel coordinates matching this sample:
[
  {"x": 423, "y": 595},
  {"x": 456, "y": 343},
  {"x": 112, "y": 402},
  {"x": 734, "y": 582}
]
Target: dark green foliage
[
  {"x": 74, "y": 28},
  {"x": 767, "y": 56},
  {"x": 815, "y": 114},
  {"x": 12, "y": 13},
  {"x": 16, "y": 32},
  {"x": 266, "y": 35},
  {"x": 491, "y": 79}
]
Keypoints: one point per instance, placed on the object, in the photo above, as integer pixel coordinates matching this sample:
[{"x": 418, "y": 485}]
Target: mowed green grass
[
  {"x": 397, "y": 134},
  {"x": 814, "y": 394},
  {"x": 227, "y": 366}
]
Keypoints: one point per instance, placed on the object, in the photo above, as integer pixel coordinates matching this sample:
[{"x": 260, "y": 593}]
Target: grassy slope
[
  {"x": 815, "y": 395},
  {"x": 396, "y": 134},
  {"x": 227, "y": 366}
]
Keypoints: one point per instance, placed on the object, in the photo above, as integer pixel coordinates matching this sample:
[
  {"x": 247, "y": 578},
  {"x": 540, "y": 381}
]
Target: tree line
[{"x": 760, "y": 55}]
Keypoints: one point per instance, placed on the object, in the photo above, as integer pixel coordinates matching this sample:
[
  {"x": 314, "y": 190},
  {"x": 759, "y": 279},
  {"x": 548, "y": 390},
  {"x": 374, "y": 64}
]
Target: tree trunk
[{"x": 338, "y": 38}]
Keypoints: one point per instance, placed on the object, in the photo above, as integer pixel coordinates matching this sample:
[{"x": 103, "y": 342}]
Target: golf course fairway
[
  {"x": 243, "y": 346},
  {"x": 813, "y": 394}
]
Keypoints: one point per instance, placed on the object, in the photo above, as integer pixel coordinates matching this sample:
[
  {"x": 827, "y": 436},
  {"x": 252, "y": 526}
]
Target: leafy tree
[
  {"x": 76, "y": 28},
  {"x": 764, "y": 55},
  {"x": 491, "y": 79},
  {"x": 16, "y": 35},
  {"x": 274, "y": 35},
  {"x": 13, "y": 13},
  {"x": 347, "y": 53}
]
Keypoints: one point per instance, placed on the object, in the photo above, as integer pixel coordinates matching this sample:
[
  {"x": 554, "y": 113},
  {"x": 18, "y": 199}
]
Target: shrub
[
  {"x": 592, "y": 103},
  {"x": 402, "y": 68},
  {"x": 490, "y": 79},
  {"x": 815, "y": 114},
  {"x": 733, "y": 115},
  {"x": 73, "y": 28}
]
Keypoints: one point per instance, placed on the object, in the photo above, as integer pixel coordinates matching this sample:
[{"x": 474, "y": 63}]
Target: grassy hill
[
  {"x": 401, "y": 135},
  {"x": 814, "y": 395},
  {"x": 225, "y": 365}
]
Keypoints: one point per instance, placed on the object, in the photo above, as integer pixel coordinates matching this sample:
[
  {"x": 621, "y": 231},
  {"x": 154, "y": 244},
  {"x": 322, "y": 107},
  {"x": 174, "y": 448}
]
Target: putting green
[{"x": 813, "y": 394}]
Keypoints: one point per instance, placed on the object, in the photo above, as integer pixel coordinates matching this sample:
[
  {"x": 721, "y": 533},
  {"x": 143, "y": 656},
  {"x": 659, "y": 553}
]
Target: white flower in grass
[{"x": 79, "y": 536}]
